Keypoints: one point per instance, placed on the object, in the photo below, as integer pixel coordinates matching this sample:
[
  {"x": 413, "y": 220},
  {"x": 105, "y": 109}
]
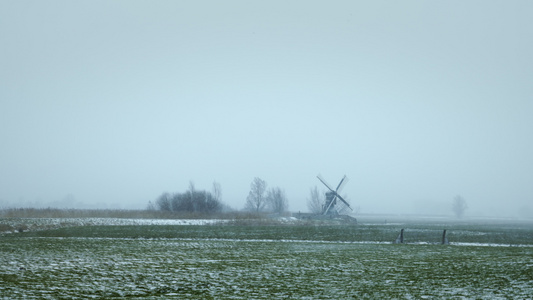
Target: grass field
[{"x": 484, "y": 261}]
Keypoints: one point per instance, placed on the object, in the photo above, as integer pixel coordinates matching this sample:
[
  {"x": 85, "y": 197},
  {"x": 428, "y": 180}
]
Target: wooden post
[
  {"x": 444, "y": 238},
  {"x": 399, "y": 239}
]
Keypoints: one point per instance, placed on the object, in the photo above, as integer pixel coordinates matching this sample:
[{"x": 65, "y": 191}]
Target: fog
[{"x": 108, "y": 104}]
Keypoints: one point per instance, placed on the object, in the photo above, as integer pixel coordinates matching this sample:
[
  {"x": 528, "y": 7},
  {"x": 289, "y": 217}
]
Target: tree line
[{"x": 259, "y": 200}]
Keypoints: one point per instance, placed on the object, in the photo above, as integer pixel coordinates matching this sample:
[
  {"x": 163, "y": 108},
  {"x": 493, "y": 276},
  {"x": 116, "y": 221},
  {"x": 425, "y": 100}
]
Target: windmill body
[
  {"x": 328, "y": 208},
  {"x": 331, "y": 204}
]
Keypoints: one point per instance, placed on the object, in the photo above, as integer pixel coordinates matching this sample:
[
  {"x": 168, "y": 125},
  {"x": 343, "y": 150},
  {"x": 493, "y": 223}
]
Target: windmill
[{"x": 331, "y": 197}]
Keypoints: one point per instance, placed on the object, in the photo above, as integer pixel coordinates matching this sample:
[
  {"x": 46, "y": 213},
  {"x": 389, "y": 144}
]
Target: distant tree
[
  {"x": 256, "y": 200},
  {"x": 277, "y": 201},
  {"x": 163, "y": 202},
  {"x": 459, "y": 206},
  {"x": 217, "y": 191},
  {"x": 150, "y": 206},
  {"x": 315, "y": 201},
  {"x": 192, "y": 201}
]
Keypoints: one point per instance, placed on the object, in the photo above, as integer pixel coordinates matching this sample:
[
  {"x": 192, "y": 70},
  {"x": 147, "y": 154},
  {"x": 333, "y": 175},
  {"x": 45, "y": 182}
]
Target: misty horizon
[{"x": 110, "y": 104}]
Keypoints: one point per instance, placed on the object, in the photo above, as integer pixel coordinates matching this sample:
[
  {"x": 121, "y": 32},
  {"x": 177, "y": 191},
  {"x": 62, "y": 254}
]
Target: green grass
[
  {"x": 414, "y": 233},
  {"x": 66, "y": 268},
  {"x": 267, "y": 262}
]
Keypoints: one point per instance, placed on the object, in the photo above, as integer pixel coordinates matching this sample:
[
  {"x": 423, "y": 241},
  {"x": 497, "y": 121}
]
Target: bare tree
[
  {"x": 217, "y": 191},
  {"x": 150, "y": 206},
  {"x": 163, "y": 202},
  {"x": 315, "y": 201},
  {"x": 459, "y": 206},
  {"x": 277, "y": 201},
  {"x": 256, "y": 200}
]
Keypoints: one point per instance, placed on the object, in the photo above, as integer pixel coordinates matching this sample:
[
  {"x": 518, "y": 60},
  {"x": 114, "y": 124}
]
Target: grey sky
[{"x": 115, "y": 102}]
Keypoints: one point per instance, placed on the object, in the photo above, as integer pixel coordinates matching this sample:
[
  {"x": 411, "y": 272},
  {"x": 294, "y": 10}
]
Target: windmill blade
[
  {"x": 329, "y": 206},
  {"x": 324, "y": 182},
  {"x": 341, "y": 184},
  {"x": 347, "y": 204}
]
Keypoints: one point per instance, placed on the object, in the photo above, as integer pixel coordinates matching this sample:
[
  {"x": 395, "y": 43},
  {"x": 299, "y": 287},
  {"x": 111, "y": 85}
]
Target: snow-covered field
[
  {"x": 160, "y": 259},
  {"x": 84, "y": 268}
]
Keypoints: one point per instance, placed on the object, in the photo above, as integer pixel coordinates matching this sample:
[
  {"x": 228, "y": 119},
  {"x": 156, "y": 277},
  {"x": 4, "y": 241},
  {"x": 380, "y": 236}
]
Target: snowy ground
[
  {"x": 87, "y": 258},
  {"x": 81, "y": 268}
]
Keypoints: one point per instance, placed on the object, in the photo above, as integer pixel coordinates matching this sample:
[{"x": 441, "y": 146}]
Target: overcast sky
[{"x": 111, "y": 103}]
